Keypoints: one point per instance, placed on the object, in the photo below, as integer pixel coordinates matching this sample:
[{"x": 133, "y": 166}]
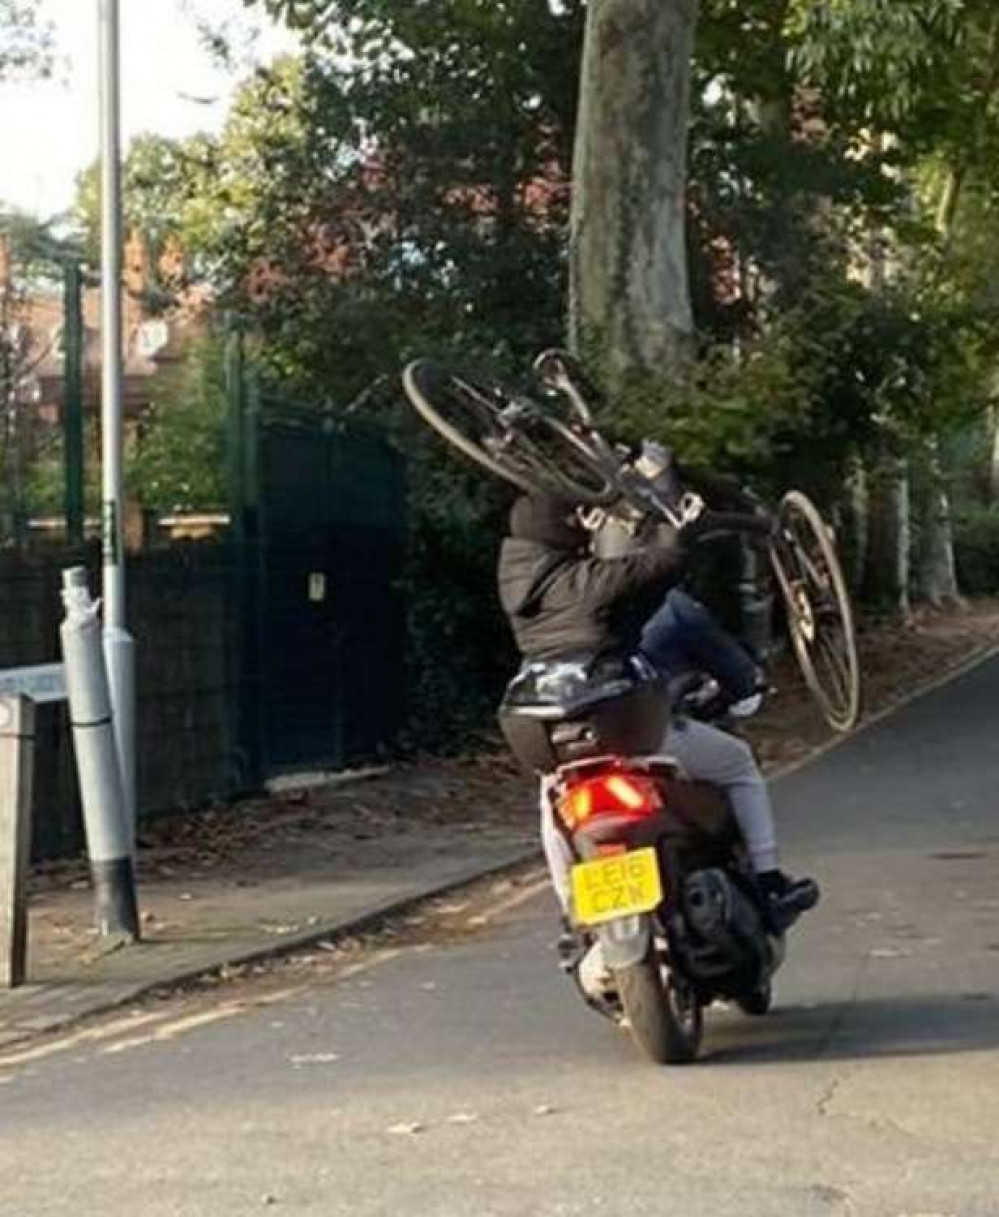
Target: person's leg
[
  {"x": 558, "y": 855},
  {"x": 663, "y": 642},
  {"x": 709, "y": 755},
  {"x": 682, "y": 635}
]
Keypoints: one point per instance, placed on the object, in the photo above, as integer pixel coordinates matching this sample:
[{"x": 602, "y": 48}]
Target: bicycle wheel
[
  {"x": 510, "y": 435},
  {"x": 559, "y": 370},
  {"x": 819, "y": 613}
]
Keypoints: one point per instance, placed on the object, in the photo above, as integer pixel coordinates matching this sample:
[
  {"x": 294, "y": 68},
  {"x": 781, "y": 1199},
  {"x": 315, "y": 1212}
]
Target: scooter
[{"x": 666, "y": 915}]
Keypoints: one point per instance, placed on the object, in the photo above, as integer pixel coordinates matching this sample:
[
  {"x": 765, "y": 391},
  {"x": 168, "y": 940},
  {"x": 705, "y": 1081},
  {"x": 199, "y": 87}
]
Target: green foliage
[
  {"x": 163, "y": 187},
  {"x": 842, "y": 165},
  {"x": 459, "y": 651},
  {"x": 25, "y": 41},
  {"x": 439, "y": 138},
  {"x": 179, "y": 463},
  {"x": 976, "y": 550},
  {"x": 44, "y": 483},
  {"x": 843, "y": 372},
  {"x": 468, "y": 80},
  {"x": 876, "y": 58},
  {"x": 729, "y": 414}
]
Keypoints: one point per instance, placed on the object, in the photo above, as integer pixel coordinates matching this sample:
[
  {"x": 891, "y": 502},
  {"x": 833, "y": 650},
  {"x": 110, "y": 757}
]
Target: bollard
[
  {"x": 105, "y": 819},
  {"x": 17, "y": 731}
]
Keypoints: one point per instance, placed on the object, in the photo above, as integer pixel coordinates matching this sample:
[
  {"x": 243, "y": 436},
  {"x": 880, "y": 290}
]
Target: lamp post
[{"x": 118, "y": 646}]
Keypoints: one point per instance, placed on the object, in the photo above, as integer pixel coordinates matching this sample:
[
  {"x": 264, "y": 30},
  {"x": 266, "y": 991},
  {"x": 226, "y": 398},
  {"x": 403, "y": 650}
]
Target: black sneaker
[
  {"x": 785, "y": 899},
  {"x": 571, "y": 948}
]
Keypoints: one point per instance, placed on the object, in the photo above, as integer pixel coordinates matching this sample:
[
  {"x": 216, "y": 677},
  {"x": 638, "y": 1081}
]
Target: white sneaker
[{"x": 594, "y": 975}]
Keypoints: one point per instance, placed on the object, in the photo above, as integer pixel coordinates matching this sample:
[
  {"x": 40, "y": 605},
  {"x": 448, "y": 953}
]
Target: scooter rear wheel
[
  {"x": 758, "y": 1002},
  {"x": 665, "y": 1017}
]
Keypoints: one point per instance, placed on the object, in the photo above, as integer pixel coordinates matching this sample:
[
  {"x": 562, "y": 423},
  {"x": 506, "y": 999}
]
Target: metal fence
[
  {"x": 318, "y": 527},
  {"x": 187, "y": 677}
]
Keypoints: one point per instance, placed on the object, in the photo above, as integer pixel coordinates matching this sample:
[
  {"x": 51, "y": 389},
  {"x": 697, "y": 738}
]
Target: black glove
[
  {"x": 706, "y": 527},
  {"x": 713, "y": 525}
]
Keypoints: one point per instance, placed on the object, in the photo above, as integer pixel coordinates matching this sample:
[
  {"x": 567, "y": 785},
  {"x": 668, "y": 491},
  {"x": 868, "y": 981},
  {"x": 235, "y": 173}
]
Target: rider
[{"x": 562, "y": 602}]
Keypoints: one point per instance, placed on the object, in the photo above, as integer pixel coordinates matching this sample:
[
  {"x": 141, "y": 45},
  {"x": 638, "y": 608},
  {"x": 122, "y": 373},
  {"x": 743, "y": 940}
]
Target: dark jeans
[{"x": 682, "y": 637}]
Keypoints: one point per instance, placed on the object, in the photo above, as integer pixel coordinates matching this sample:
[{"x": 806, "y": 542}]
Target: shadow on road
[{"x": 908, "y": 1025}]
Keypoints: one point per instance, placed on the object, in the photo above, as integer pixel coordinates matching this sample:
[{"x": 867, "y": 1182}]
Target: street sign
[{"x": 42, "y": 683}]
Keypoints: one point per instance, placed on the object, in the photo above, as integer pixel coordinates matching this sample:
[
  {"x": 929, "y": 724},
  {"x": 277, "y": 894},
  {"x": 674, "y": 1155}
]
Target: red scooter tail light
[{"x": 620, "y": 794}]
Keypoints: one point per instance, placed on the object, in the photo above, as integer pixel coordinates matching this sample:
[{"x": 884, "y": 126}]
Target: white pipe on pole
[
  {"x": 118, "y": 645},
  {"x": 109, "y": 839}
]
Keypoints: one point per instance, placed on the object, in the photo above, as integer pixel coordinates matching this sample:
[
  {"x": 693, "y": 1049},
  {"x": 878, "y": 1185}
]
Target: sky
[{"x": 49, "y": 130}]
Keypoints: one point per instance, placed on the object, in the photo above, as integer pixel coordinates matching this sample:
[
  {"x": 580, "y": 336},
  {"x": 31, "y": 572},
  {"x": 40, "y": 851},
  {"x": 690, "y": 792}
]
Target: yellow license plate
[{"x": 616, "y": 887}]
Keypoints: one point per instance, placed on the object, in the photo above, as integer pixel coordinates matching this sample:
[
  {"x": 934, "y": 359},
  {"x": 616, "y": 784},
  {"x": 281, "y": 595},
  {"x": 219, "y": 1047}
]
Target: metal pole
[
  {"x": 72, "y": 418},
  {"x": 17, "y": 725},
  {"x": 118, "y": 645}
]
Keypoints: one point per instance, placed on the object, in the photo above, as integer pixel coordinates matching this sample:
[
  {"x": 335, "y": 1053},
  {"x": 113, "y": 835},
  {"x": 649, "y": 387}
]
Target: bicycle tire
[
  {"x": 425, "y": 379},
  {"x": 840, "y": 706},
  {"x": 582, "y": 389}
]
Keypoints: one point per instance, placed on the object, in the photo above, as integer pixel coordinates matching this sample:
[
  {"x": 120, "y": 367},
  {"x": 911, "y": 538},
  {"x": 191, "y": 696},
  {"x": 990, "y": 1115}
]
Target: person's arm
[
  {"x": 720, "y": 492},
  {"x": 603, "y": 582}
]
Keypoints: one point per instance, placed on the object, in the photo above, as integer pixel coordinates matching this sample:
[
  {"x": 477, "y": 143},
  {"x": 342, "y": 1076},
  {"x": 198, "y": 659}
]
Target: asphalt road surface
[{"x": 462, "y": 1077}]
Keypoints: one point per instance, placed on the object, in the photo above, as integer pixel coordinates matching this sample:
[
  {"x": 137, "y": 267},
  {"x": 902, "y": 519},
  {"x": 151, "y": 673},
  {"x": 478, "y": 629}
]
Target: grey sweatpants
[{"x": 705, "y": 754}]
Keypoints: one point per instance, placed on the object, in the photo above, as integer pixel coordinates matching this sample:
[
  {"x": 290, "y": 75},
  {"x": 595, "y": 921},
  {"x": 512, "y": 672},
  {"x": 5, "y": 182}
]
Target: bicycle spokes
[
  {"x": 509, "y": 434},
  {"x": 819, "y": 612}
]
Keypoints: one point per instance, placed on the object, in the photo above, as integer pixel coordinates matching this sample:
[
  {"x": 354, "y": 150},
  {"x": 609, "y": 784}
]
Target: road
[{"x": 460, "y": 1077}]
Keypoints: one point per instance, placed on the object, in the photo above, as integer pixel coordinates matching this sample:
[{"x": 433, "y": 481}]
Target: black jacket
[{"x": 563, "y": 604}]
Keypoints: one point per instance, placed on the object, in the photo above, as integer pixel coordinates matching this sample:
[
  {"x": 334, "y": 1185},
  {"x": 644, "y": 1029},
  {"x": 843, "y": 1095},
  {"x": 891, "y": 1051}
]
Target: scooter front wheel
[{"x": 665, "y": 1017}]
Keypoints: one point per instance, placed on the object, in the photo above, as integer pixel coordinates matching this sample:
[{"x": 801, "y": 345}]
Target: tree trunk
[
  {"x": 858, "y": 511},
  {"x": 994, "y": 460},
  {"x": 937, "y": 572},
  {"x": 629, "y": 295},
  {"x": 988, "y": 473},
  {"x": 887, "y": 578}
]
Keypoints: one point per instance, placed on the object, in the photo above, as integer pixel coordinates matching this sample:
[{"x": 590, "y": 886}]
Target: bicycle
[{"x": 548, "y": 442}]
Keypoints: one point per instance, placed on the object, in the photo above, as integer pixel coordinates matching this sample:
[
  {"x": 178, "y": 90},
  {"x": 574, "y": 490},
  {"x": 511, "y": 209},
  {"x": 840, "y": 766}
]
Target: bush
[
  {"x": 180, "y": 461},
  {"x": 976, "y": 550},
  {"x": 460, "y": 651}
]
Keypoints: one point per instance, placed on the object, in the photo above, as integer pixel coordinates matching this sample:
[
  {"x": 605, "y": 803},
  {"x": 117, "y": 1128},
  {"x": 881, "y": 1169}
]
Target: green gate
[{"x": 318, "y": 514}]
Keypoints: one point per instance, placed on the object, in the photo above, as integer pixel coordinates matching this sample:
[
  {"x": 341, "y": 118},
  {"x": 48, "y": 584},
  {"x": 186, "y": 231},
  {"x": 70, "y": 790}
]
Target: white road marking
[{"x": 509, "y": 903}]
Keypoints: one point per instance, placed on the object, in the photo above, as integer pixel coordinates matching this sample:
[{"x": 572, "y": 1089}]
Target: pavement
[
  {"x": 264, "y": 879},
  {"x": 457, "y": 1075}
]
